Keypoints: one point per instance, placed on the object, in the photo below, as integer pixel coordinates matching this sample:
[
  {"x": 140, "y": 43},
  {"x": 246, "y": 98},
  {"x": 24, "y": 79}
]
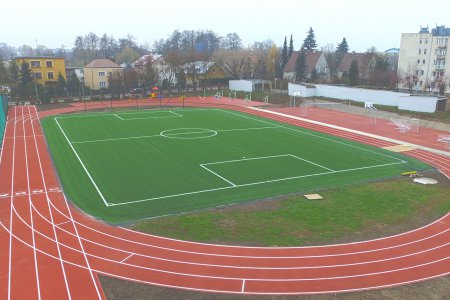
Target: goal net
[
  {"x": 311, "y": 107},
  {"x": 404, "y": 125}
]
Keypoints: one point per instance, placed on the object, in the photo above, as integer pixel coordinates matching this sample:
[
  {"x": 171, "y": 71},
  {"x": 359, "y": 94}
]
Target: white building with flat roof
[{"x": 424, "y": 60}]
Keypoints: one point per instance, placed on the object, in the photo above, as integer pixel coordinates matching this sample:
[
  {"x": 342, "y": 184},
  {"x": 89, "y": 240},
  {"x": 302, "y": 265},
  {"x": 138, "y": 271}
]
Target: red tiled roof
[
  {"x": 311, "y": 61},
  {"x": 363, "y": 60},
  {"x": 102, "y": 63}
]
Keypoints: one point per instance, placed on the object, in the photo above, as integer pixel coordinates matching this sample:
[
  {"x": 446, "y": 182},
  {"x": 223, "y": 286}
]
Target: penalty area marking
[{"x": 171, "y": 115}]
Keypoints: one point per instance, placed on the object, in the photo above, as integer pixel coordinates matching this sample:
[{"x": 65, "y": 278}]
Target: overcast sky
[{"x": 364, "y": 23}]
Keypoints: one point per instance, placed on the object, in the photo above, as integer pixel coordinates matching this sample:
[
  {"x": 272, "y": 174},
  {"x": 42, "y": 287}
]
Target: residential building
[
  {"x": 96, "y": 73},
  {"x": 45, "y": 68},
  {"x": 365, "y": 61},
  {"x": 424, "y": 57},
  {"x": 203, "y": 73},
  {"x": 77, "y": 70},
  {"x": 315, "y": 60}
]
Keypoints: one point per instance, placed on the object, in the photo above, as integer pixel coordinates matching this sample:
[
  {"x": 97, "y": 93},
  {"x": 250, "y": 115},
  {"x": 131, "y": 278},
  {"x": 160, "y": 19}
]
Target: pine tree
[
  {"x": 343, "y": 46},
  {"x": 61, "y": 85},
  {"x": 300, "y": 66},
  {"x": 353, "y": 72},
  {"x": 291, "y": 47},
  {"x": 25, "y": 73},
  {"x": 309, "y": 43},
  {"x": 284, "y": 54}
]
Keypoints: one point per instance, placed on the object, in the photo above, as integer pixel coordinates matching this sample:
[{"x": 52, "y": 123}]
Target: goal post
[{"x": 308, "y": 106}]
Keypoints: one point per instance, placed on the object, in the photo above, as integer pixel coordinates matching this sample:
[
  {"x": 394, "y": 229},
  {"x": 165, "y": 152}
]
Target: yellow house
[
  {"x": 44, "y": 68},
  {"x": 203, "y": 71},
  {"x": 96, "y": 73}
]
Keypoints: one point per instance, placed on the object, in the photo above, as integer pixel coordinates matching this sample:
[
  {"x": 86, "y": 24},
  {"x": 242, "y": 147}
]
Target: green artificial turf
[{"x": 133, "y": 165}]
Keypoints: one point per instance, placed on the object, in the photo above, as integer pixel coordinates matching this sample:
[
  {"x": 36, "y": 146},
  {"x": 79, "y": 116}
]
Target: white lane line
[
  {"x": 123, "y": 260},
  {"x": 31, "y": 210},
  {"x": 62, "y": 223},
  {"x": 11, "y": 210},
  {"x": 440, "y": 260},
  {"x": 82, "y": 164},
  {"x": 52, "y": 222},
  {"x": 435, "y": 235}
]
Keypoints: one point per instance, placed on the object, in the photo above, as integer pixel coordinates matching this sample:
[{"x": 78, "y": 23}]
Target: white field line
[
  {"x": 103, "y": 114},
  {"x": 221, "y": 177},
  {"x": 354, "y": 131},
  {"x": 307, "y": 133},
  {"x": 313, "y": 163},
  {"x": 36, "y": 270},
  {"x": 237, "y": 278},
  {"x": 265, "y": 157},
  {"x": 34, "y": 192},
  {"x": 170, "y": 134},
  {"x": 73, "y": 224},
  {"x": 253, "y": 183},
  {"x": 51, "y": 221},
  {"x": 173, "y": 115},
  {"x": 82, "y": 164}
]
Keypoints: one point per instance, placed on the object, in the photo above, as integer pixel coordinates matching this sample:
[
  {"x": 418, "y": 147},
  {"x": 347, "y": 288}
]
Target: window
[
  {"x": 417, "y": 72},
  {"x": 446, "y": 41},
  {"x": 38, "y": 75},
  {"x": 109, "y": 74},
  {"x": 423, "y": 61},
  {"x": 420, "y": 41},
  {"x": 101, "y": 74},
  {"x": 426, "y": 41},
  {"x": 420, "y": 51},
  {"x": 424, "y": 51},
  {"x": 418, "y": 61},
  {"x": 421, "y": 72},
  {"x": 49, "y": 64},
  {"x": 102, "y": 83},
  {"x": 35, "y": 64},
  {"x": 50, "y": 75},
  {"x": 420, "y": 82}
]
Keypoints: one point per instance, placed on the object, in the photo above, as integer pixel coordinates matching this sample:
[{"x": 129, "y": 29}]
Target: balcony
[
  {"x": 439, "y": 68},
  {"x": 440, "y": 56},
  {"x": 442, "y": 46}
]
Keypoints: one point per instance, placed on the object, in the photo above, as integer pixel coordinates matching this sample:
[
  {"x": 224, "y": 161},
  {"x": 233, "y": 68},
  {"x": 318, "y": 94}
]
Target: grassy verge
[{"x": 347, "y": 213}]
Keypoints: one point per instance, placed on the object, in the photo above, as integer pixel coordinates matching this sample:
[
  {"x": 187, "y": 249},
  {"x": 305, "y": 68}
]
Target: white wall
[
  {"x": 305, "y": 91},
  {"x": 418, "y": 103},
  {"x": 401, "y": 100},
  {"x": 241, "y": 85}
]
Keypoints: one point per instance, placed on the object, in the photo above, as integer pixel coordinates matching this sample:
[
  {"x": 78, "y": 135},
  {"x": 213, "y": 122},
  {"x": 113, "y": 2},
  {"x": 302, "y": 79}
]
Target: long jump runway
[{"x": 50, "y": 250}]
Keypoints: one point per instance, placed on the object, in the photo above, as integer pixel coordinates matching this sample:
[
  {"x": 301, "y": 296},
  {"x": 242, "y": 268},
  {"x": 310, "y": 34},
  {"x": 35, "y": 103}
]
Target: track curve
[{"x": 55, "y": 250}]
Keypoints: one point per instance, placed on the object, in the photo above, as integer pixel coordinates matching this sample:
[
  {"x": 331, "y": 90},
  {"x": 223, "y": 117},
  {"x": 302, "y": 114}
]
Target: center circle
[{"x": 188, "y": 133}]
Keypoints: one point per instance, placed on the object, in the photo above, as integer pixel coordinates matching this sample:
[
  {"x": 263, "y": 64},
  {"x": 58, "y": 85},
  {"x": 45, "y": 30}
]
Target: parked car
[{"x": 137, "y": 91}]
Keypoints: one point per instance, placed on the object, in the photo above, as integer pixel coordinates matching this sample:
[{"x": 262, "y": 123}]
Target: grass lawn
[
  {"x": 347, "y": 213},
  {"x": 132, "y": 165}
]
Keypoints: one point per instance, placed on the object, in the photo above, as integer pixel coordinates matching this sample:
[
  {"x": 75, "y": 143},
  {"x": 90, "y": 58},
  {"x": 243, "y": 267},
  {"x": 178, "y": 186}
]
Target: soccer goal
[
  {"x": 444, "y": 138},
  {"x": 310, "y": 107},
  {"x": 404, "y": 125}
]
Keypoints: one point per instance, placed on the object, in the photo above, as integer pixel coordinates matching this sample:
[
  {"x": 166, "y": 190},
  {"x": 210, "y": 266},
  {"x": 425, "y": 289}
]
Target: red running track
[{"x": 49, "y": 249}]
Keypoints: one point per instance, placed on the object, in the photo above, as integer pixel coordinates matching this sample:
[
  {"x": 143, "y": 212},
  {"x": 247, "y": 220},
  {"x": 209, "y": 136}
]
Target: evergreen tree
[
  {"x": 309, "y": 43},
  {"x": 25, "y": 73},
  {"x": 300, "y": 66},
  {"x": 291, "y": 47},
  {"x": 353, "y": 72},
  {"x": 314, "y": 75},
  {"x": 73, "y": 85},
  {"x": 343, "y": 46},
  {"x": 61, "y": 86},
  {"x": 284, "y": 54}
]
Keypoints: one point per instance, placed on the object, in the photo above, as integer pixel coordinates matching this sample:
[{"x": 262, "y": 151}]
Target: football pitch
[{"x": 138, "y": 164}]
